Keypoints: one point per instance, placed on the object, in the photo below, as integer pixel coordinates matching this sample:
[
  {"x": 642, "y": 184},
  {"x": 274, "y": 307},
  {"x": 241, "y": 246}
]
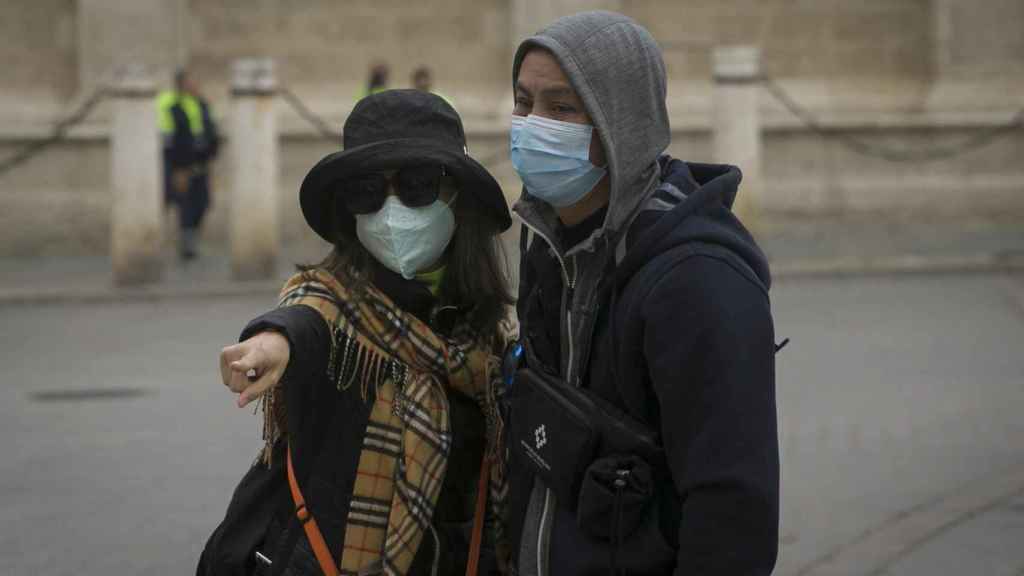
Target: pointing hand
[{"x": 254, "y": 366}]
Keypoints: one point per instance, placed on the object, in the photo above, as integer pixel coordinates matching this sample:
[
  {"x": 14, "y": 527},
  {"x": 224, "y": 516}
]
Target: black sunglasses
[{"x": 416, "y": 187}]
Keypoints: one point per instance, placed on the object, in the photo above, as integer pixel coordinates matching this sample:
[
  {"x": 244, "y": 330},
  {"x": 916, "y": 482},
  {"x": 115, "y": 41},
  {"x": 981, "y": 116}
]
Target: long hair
[{"x": 476, "y": 266}]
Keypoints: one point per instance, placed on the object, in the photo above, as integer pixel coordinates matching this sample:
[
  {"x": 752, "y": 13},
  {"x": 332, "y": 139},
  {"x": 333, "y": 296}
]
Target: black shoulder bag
[{"x": 599, "y": 462}]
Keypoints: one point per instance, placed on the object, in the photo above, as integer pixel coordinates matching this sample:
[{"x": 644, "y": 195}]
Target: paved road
[
  {"x": 896, "y": 397},
  {"x": 894, "y": 393}
]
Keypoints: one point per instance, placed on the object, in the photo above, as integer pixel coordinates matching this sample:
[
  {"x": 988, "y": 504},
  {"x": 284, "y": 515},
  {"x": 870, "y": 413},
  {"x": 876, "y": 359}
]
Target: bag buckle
[{"x": 302, "y": 513}]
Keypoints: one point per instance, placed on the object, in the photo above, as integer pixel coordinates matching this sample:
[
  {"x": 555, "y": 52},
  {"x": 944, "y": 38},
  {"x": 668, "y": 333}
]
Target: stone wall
[
  {"x": 324, "y": 49},
  {"x": 979, "y": 39},
  {"x": 37, "y": 42},
  {"x": 820, "y": 39},
  {"x": 57, "y": 203},
  {"x": 902, "y": 73}
]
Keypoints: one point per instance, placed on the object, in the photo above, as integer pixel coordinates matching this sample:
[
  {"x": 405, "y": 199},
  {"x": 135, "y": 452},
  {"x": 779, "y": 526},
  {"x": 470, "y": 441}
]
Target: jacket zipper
[
  {"x": 570, "y": 288},
  {"x": 569, "y": 293}
]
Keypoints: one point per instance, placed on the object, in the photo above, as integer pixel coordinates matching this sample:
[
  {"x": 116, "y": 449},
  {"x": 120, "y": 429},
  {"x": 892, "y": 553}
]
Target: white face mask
[{"x": 406, "y": 240}]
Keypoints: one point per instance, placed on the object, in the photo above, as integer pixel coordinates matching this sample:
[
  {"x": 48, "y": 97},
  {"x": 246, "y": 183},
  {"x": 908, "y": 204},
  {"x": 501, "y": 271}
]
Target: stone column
[
  {"x": 136, "y": 221},
  {"x": 254, "y": 165},
  {"x": 736, "y": 137}
]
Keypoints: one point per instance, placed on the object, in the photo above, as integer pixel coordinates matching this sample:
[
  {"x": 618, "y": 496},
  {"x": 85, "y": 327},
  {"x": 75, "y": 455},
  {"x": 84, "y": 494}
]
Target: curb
[
  {"x": 993, "y": 263},
  {"x": 99, "y": 295},
  {"x": 989, "y": 263}
]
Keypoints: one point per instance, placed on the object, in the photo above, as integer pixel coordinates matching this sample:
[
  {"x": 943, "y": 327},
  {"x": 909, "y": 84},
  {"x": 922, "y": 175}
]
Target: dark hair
[
  {"x": 180, "y": 75},
  {"x": 476, "y": 273},
  {"x": 378, "y": 76}
]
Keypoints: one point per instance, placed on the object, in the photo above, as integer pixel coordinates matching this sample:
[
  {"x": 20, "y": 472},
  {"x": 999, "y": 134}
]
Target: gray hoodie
[{"x": 616, "y": 68}]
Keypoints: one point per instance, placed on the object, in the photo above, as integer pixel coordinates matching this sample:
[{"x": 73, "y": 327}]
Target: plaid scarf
[{"x": 407, "y": 441}]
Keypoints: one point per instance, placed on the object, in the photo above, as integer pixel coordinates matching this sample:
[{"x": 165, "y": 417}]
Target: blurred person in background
[
  {"x": 643, "y": 434},
  {"x": 377, "y": 81},
  {"x": 423, "y": 79},
  {"x": 190, "y": 145},
  {"x": 379, "y": 370}
]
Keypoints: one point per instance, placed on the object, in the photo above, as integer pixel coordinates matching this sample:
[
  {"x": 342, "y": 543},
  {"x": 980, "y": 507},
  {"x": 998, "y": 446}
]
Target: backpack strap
[
  {"x": 654, "y": 269},
  {"x": 316, "y": 539}
]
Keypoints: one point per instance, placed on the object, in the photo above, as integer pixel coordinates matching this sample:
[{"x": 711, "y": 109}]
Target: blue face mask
[{"x": 552, "y": 159}]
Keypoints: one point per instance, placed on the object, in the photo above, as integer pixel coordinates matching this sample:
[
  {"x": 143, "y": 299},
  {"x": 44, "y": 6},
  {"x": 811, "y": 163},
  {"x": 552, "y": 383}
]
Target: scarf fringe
[
  {"x": 351, "y": 360},
  {"x": 363, "y": 321},
  {"x": 492, "y": 415},
  {"x": 271, "y": 431}
]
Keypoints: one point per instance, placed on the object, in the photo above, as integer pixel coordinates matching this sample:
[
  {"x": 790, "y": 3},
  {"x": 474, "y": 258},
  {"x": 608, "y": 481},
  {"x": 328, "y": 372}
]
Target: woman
[{"x": 378, "y": 371}]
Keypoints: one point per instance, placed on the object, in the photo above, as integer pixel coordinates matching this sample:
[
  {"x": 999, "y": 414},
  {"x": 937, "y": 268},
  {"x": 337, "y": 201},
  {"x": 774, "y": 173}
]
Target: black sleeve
[
  {"x": 708, "y": 339},
  {"x": 210, "y": 134},
  {"x": 308, "y": 337},
  {"x": 180, "y": 153}
]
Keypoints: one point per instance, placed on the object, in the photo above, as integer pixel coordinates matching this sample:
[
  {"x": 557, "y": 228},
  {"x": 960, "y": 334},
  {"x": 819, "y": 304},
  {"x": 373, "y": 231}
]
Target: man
[
  {"x": 377, "y": 81},
  {"x": 190, "y": 144},
  {"x": 642, "y": 289},
  {"x": 423, "y": 79}
]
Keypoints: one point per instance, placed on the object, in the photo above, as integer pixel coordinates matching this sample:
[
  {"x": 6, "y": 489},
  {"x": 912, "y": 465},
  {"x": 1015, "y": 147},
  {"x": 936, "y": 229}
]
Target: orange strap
[
  {"x": 316, "y": 539},
  {"x": 323, "y": 554},
  {"x": 478, "y": 518}
]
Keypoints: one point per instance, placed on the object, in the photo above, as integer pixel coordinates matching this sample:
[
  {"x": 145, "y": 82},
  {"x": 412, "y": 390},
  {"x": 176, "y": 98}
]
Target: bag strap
[
  {"x": 323, "y": 553},
  {"x": 478, "y": 518},
  {"x": 316, "y": 539}
]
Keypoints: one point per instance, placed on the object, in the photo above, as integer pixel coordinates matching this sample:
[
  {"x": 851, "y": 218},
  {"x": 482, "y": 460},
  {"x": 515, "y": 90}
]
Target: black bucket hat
[{"x": 389, "y": 130}]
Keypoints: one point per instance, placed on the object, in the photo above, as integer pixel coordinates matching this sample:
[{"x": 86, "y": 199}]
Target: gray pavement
[
  {"x": 117, "y": 486},
  {"x": 985, "y": 543},
  {"x": 900, "y": 401},
  {"x": 900, "y": 405}
]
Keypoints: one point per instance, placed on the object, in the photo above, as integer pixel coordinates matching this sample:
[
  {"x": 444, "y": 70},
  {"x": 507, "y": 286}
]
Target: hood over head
[
  {"x": 703, "y": 216},
  {"x": 617, "y": 70}
]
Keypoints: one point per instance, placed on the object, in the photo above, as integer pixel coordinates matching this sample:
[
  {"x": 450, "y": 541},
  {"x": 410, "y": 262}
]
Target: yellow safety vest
[{"x": 189, "y": 104}]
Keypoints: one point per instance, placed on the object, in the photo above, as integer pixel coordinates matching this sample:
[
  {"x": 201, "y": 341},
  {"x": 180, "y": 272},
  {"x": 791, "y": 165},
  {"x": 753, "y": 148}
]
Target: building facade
[{"x": 898, "y": 74}]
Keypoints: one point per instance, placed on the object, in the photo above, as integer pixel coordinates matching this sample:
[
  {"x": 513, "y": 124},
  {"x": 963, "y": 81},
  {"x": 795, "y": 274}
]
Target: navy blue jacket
[{"x": 683, "y": 342}]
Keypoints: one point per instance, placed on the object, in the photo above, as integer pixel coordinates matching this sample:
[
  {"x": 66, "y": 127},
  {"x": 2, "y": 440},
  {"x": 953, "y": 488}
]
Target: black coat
[
  {"x": 185, "y": 149},
  {"x": 327, "y": 429},
  {"x": 683, "y": 342}
]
